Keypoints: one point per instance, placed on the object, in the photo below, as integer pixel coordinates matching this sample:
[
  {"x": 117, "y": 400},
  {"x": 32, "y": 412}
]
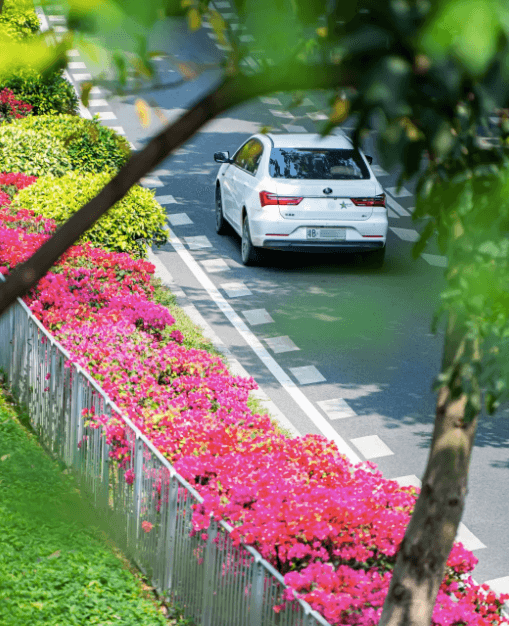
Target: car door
[{"x": 245, "y": 165}]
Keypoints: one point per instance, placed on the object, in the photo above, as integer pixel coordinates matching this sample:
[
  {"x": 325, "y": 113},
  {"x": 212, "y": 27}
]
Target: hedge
[
  {"x": 18, "y": 20},
  {"x": 56, "y": 144},
  {"x": 136, "y": 216}
]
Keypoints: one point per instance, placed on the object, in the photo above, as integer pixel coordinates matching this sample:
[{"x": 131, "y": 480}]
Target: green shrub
[
  {"x": 18, "y": 20},
  {"x": 137, "y": 216},
  {"x": 56, "y": 144},
  {"x": 48, "y": 95}
]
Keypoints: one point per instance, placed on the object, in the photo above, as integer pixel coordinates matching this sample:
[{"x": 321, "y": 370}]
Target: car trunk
[{"x": 316, "y": 205}]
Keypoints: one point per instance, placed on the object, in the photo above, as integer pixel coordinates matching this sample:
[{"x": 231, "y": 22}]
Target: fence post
[
  {"x": 256, "y": 605},
  {"x": 208, "y": 576},
  {"x": 171, "y": 526},
  {"x": 138, "y": 478}
]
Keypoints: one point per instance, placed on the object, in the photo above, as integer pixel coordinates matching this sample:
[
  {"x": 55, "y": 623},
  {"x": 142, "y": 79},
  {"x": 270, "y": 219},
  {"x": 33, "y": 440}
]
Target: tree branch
[{"x": 231, "y": 92}]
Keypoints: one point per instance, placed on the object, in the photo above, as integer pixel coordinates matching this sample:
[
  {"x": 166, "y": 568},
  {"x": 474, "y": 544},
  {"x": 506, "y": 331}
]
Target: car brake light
[
  {"x": 376, "y": 201},
  {"x": 271, "y": 198}
]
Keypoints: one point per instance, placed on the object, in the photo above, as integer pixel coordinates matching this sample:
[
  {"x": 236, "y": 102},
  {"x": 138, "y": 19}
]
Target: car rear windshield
[{"x": 317, "y": 164}]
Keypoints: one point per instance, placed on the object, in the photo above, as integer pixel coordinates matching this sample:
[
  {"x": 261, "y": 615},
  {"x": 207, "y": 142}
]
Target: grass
[{"x": 56, "y": 567}]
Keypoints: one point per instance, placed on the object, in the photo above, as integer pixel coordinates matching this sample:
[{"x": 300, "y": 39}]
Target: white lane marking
[
  {"x": 499, "y": 586},
  {"x": 179, "y": 219},
  {"x": 95, "y": 91},
  {"x": 307, "y": 103},
  {"x": 435, "y": 259},
  {"x": 307, "y": 375},
  {"x": 76, "y": 65},
  {"x": 212, "y": 35},
  {"x": 391, "y": 213},
  {"x": 317, "y": 116},
  {"x": 60, "y": 29},
  {"x": 97, "y": 102},
  {"x": 261, "y": 352},
  {"x": 106, "y": 115},
  {"x": 252, "y": 62},
  {"x": 234, "y": 366},
  {"x": 150, "y": 181},
  {"x": 161, "y": 173},
  {"x": 56, "y": 18},
  {"x": 118, "y": 129},
  {"x": 410, "y": 480},
  {"x": 84, "y": 76},
  {"x": 396, "y": 206},
  {"x": 378, "y": 171},
  {"x": 406, "y": 234},
  {"x": 222, "y": 5},
  {"x": 285, "y": 114},
  {"x": 255, "y": 317},
  {"x": 280, "y": 344},
  {"x": 336, "y": 408},
  {"x": 293, "y": 128},
  {"x": 468, "y": 539},
  {"x": 372, "y": 447},
  {"x": 166, "y": 200},
  {"x": 246, "y": 38},
  {"x": 133, "y": 147},
  {"x": 216, "y": 265},
  {"x": 198, "y": 243},
  {"x": 274, "y": 101},
  {"x": 236, "y": 290},
  {"x": 402, "y": 193},
  {"x": 73, "y": 53}
]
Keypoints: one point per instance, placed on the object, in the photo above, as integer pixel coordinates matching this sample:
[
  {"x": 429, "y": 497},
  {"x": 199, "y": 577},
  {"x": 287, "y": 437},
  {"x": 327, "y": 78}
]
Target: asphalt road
[{"x": 343, "y": 349}]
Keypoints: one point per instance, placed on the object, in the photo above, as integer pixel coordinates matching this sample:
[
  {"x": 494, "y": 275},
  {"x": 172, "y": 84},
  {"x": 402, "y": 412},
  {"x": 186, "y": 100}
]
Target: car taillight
[
  {"x": 271, "y": 198},
  {"x": 376, "y": 201}
]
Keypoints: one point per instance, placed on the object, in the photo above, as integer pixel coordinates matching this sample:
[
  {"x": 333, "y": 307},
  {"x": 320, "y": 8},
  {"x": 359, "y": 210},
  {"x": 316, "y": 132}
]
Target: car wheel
[
  {"x": 221, "y": 223},
  {"x": 250, "y": 254},
  {"x": 375, "y": 259}
]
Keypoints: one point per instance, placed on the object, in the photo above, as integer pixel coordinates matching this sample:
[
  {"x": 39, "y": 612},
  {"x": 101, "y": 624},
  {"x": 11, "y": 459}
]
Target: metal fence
[{"x": 215, "y": 582}]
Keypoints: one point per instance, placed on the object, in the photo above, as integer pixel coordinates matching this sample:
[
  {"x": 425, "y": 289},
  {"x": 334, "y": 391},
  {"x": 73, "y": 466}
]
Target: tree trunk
[
  {"x": 1, "y": 6},
  {"x": 422, "y": 557}
]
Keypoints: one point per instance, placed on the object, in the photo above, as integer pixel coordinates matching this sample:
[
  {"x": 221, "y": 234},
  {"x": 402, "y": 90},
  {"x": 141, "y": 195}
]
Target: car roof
[{"x": 309, "y": 140}]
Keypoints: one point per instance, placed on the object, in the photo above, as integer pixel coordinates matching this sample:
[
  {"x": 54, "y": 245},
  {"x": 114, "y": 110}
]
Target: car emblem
[
  {"x": 343, "y": 205},
  {"x": 327, "y": 190}
]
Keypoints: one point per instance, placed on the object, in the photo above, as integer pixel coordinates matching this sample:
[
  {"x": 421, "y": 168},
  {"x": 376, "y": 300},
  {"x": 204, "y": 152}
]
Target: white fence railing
[{"x": 215, "y": 582}]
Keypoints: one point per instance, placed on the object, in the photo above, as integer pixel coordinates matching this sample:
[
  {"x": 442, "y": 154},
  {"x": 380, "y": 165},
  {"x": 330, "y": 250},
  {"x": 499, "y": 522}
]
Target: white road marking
[
  {"x": 435, "y": 259},
  {"x": 95, "y": 91},
  {"x": 322, "y": 424},
  {"x": 372, "y": 447},
  {"x": 317, "y": 116},
  {"x": 76, "y": 65},
  {"x": 84, "y": 76},
  {"x": 336, "y": 409},
  {"x": 60, "y": 29},
  {"x": 236, "y": 290},
  {"x": 396, "y": 206},
  {"x": 281, "y": 344},
  {"x": 285, "y": 114},
  {"x": 106, "y": 115},
  {"x": 410, "y": 480},
  {"x": 222, "y": 5},
  {"x": 402, "y": 193},
  {"x": 274, "y": 101},
  {"x": 391, "y": 213},
  {"x": 179, "y": 219},
  {"x": 499, "y": 585},
  {"x": 246, "y": 38},
  {"x": 307, "y": 375},
  {"x": 73, "y": 53},
  {"x": 149, "y": 181},
  {"x": 292, "y": 128},
  {"x": 166, "y": 200},
  {"x": 56, "y": 18},
  {"x": 255, "y": 317},
  {"x": 252, "y": 62},
  {"x": 307, "y": 103},
  {"x": 97, "y": 102},
  {"x": 406, "y": 234},
  {"x": 378, "y": 171},
  {"x": 118, "y": 129},
  {"x": 216, "y": 265},
  {"x": 161, "y": 172},
  {"x": 468, "y": 539},
  {"x": 198, "y": 243}
]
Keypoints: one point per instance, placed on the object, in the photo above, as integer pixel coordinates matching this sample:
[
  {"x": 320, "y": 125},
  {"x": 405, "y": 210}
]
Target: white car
[{"x": 301, "y": 192}]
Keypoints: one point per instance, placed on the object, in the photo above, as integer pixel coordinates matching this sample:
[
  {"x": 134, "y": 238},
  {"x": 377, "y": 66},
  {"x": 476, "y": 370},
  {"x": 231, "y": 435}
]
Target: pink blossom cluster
[
  {"x": 331, "y": 528},
  {"x": 10, "y": 108}
]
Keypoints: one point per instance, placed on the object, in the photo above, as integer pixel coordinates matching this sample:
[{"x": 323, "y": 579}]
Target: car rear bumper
[{"x": 293, "y": 245}]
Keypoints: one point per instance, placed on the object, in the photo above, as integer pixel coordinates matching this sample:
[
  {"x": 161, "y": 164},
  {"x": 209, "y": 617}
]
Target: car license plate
[{"x": 330, "y": 234}]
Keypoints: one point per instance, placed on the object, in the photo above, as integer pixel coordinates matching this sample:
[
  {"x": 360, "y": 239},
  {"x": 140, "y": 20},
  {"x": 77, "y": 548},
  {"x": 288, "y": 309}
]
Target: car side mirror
[
  {"x": 369, "y": 159},
  {"x": 222, "y": 157}
]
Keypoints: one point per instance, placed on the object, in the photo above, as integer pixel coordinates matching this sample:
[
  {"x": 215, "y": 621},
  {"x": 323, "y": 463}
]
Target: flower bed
[{"x": 331, "y": 528}]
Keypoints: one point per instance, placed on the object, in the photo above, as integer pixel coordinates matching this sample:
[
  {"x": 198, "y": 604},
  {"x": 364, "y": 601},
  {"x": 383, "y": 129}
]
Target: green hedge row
[
  {"x": 18, "y": 19},
  {"x": 55, "y": 144},
  {"x": 137, "y": 216}
]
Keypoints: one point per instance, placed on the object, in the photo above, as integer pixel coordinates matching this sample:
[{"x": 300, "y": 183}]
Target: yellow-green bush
[
  {"x": 18, "y": 20},
  {"x": 56, "y": 144},
  {"x": 137, "y": 216}
]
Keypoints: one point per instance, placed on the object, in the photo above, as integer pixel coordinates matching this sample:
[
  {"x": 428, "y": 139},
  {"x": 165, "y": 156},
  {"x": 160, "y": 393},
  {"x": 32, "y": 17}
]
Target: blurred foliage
[{"x": 427, "y": 75}]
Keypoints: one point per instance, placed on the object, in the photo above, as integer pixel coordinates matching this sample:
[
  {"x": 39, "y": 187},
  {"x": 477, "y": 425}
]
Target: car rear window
[{"x": 317, "y": 164}]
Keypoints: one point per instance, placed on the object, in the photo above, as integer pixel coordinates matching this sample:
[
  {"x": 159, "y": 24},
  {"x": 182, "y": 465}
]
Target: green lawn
[{"x": 56, "y": 568}]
